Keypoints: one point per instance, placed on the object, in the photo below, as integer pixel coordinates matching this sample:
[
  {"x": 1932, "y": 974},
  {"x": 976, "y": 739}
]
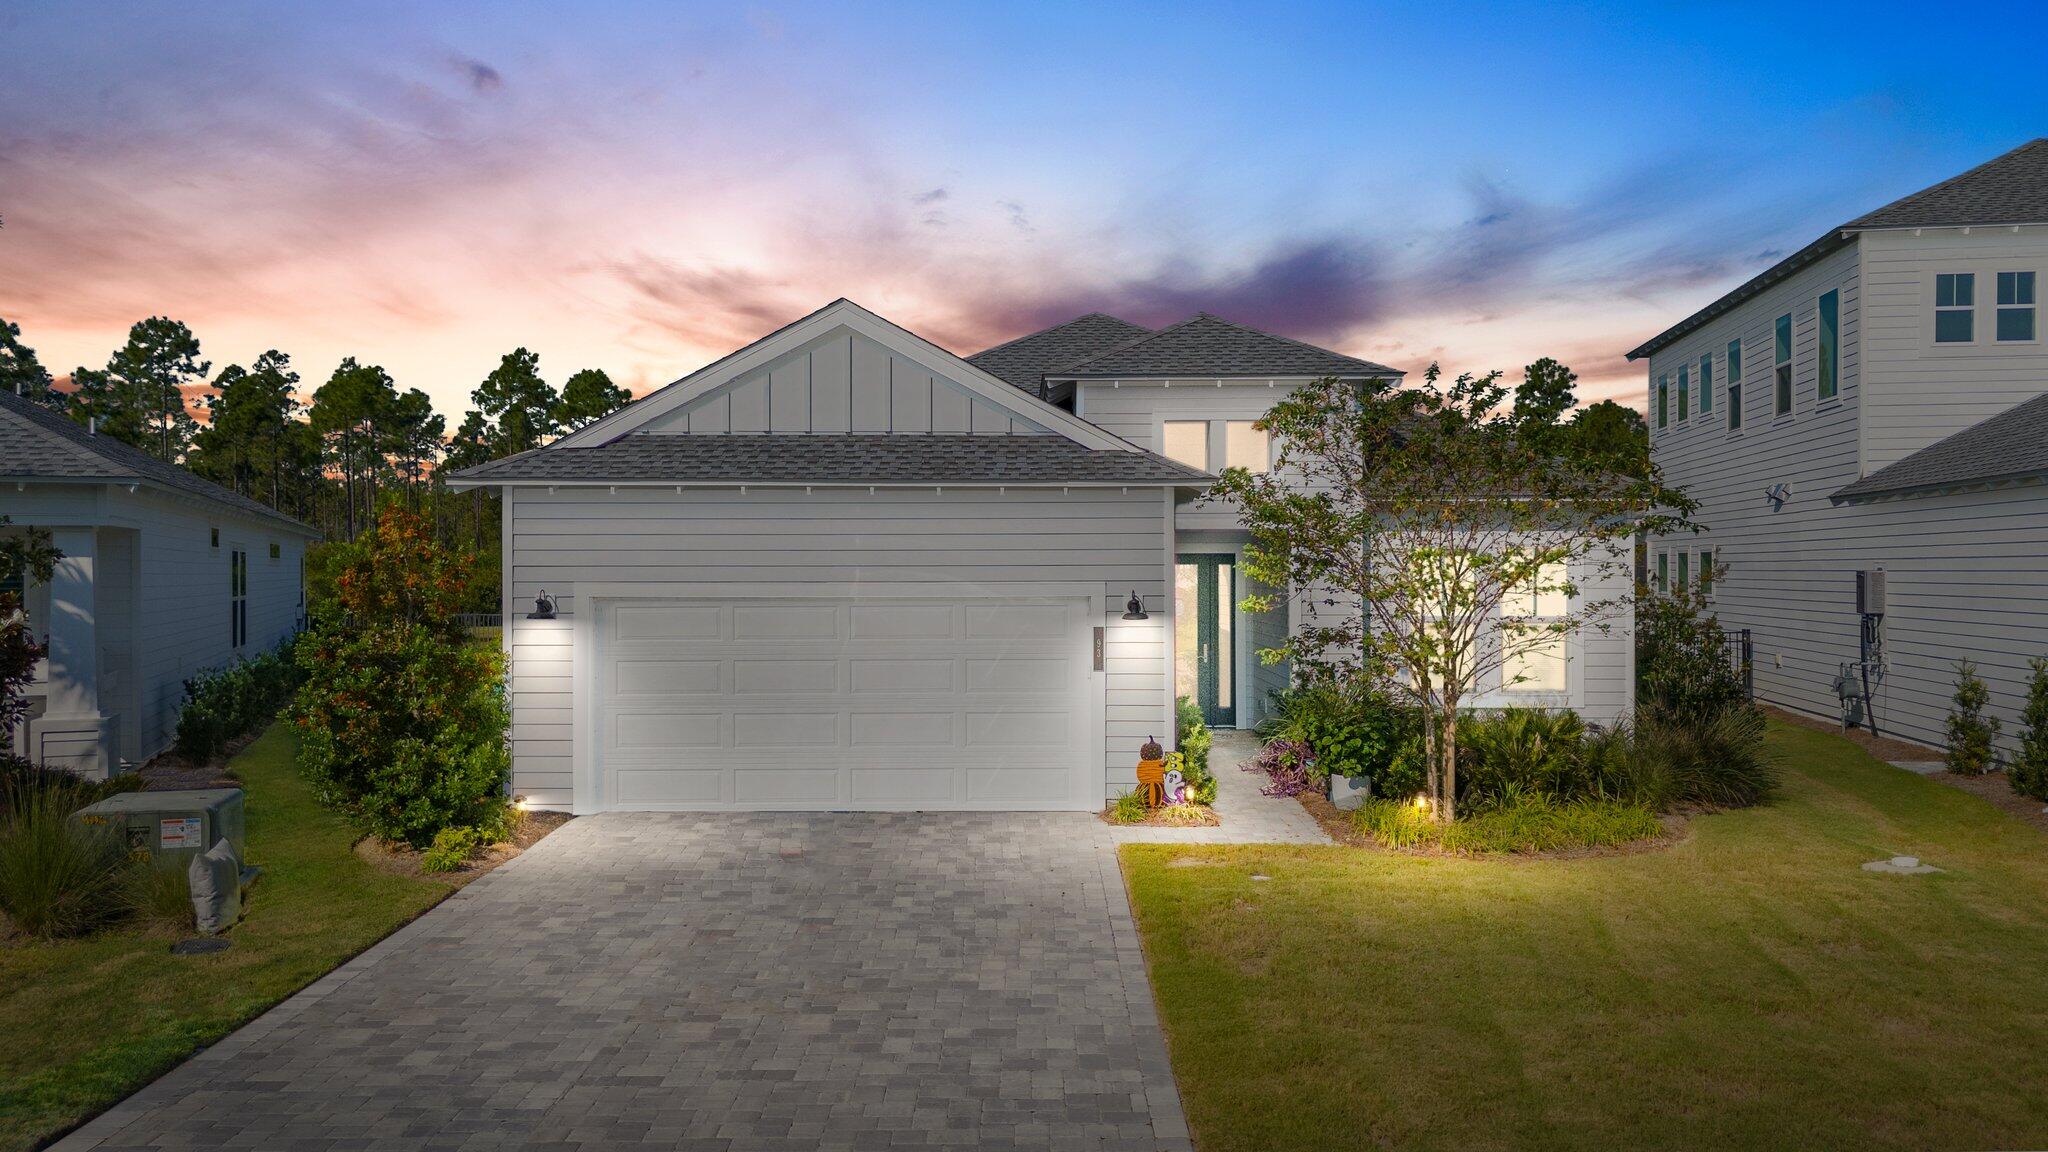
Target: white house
[
  {"x": 1876, "y": 403},
  {"x": 843, "y": 568},
  {"x": 164, "y": 574}
]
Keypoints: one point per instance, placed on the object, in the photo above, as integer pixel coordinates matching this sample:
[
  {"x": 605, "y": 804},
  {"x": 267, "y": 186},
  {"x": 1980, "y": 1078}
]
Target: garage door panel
[
  {"x": 902, "y": 729},
  {"x": 785, "y": 730},
  {"x": 785, "y": 622},
  {"x": 814, "y": 675},
  {"x": 668, "y": 622},
  {"x": 817, "y": 703}
]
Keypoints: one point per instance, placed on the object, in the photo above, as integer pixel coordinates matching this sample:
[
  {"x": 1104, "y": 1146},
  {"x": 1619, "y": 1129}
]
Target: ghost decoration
[{"x": 1176, "y": 787}]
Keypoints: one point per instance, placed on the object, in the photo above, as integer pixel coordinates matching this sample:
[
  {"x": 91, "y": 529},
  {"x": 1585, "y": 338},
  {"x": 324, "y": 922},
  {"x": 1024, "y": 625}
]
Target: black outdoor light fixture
[
  {"x": 543, "y": 607},
  {"x": 1135, "y": 610}
]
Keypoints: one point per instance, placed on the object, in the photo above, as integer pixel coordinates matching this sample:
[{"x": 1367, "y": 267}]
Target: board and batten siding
[
  {"x": 1004, "y": 542},
  {"x": 1965, "y": 572},
  {"x": 843, "y": 382},
  {"x": 1915, "y": 390}
]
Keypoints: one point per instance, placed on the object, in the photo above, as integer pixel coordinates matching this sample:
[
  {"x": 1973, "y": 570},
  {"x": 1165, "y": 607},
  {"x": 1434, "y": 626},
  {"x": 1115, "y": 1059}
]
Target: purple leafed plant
[{"x": 1289, "y": 765}]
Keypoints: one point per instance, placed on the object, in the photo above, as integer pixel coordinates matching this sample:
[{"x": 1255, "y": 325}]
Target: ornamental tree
[{"x": 1435, "y": 539}]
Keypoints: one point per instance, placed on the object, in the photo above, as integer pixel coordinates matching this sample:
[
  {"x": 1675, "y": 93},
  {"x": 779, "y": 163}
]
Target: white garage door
[{"x": 845, "y": 704}]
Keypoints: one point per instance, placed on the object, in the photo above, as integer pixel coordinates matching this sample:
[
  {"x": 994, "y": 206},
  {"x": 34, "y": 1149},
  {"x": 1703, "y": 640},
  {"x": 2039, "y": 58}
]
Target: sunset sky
[{"x": 644, "y": 187}]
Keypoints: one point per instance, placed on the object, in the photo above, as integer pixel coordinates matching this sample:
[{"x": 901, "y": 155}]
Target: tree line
[{"x": 331, "y": 459}]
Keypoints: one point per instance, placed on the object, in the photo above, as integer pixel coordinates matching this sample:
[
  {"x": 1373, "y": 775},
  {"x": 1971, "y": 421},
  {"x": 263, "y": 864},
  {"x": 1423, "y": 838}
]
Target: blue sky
[{"x": 642, "y": 187}]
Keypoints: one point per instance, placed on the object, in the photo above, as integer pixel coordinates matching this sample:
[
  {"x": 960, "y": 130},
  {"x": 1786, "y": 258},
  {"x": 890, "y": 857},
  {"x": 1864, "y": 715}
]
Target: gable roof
[
  {"x": 834, "y": 458},
  {"x": 1211, "y": 346},
  {"x": 1024, "y": 362},
  {"x": 788, "y": 338},
  {"x": 2007, "y": 189},
  {"x": 37, "y": 445},
  {"x": 2013, "y": 445}
]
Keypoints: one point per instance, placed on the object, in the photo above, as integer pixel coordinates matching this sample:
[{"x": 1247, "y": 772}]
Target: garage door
[{"x": 854, "y": 704}]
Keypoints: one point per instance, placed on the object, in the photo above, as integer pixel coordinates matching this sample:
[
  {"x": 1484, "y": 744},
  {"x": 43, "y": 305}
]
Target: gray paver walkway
[
  {"x": 718, "y": 982},
  {"x": 1248, "y": 816}
]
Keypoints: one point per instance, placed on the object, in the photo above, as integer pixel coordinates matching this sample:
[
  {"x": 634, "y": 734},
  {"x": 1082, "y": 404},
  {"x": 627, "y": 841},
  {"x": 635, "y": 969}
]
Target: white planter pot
[{"x": 1348, "y": 792}]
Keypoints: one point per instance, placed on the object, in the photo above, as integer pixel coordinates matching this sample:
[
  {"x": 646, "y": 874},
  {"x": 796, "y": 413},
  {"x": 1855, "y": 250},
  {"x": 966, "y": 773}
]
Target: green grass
[
  {"x": 1750, "y": 987},
  {"x": 85, "y": 1022}
]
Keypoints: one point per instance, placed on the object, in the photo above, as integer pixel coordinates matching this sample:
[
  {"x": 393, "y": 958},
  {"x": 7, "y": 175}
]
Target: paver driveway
[{"x": 718, "y": 982}]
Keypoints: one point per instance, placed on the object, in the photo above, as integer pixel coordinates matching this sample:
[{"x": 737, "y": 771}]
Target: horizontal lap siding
[
  {"x": 893, "y": 537},
  {"x": 1965, "y": 572}
]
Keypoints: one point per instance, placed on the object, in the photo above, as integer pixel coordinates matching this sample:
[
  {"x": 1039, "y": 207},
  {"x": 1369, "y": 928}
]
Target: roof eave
[
  {"x": 464, "y": 484},
  {"x": 1845, "y": 495},
  {"x": 1834, "y": 241}
]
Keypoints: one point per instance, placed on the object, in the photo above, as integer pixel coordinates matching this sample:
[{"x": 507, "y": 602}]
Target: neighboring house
[
  {"x": 843, "y": 568},
  {"x": 164, "y": 574},
  {"x": 1877, "y": 402}
]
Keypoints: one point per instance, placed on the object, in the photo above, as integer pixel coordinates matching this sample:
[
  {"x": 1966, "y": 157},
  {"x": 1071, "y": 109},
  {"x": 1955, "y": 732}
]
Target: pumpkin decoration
[{"x": 1152, "y": 772}]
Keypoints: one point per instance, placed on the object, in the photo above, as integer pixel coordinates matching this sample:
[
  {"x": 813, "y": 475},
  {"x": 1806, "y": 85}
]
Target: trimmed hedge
[{"x": 222, "y": 704}]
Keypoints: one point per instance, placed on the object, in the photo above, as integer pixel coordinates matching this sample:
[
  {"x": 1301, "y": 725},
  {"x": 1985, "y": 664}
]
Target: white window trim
[
  {"x": 1997, "y": 308},
  {"x": 1821, "y": 401},
  {"x": 1934, "y": 330}
]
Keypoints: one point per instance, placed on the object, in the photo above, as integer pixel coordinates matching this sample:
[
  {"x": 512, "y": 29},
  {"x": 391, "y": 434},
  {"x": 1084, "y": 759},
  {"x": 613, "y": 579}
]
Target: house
[
  {"x": 164, "y": 574},
  {"x": 1872, "y": 411},
  {"x": 844, "y": 568}
]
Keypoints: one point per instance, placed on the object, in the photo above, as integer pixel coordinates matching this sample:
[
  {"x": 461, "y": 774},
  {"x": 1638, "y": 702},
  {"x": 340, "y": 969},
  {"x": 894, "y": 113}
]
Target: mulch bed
[
  {"x": 1336, "y": 824},
  {"x": 169, "y": 772},
  {"x": 1186, "y": 816},
  {"x": 533, "y": 827}
]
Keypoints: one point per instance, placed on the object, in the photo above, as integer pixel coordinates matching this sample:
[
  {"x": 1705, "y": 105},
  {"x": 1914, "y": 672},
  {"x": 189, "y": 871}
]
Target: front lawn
[
  {"x": 1750, "y": 987},
  {"x": 85, "y": 1022}
]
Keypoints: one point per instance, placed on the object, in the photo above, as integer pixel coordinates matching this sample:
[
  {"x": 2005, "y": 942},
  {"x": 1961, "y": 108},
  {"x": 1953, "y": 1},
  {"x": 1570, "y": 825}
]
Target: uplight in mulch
[{"x": 1901, "y": 865}]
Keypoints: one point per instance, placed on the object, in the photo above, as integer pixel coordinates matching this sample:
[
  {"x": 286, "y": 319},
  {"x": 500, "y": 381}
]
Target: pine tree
[
  {"x": 2029, "y": 770},
  {"x": 1972, "y": 735}
]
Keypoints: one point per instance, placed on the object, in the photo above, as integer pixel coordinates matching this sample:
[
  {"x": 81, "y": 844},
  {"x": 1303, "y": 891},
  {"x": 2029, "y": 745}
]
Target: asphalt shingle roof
[
  {"x": 1212, "y": 346},
  {"x": 2012, "y": 445},
  {"x": 824, "y": 458},
  {"x": 2007, "y": 189},
  {"x": 38, "y": 444},
  {"x": 1023, "y": 362}
]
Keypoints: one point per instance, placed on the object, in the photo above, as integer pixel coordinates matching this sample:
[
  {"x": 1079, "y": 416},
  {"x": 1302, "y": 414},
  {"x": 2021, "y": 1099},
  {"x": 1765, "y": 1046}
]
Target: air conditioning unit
[
  {"x": 1870, "y": 592},
  {"x": 171, "y": 826}
]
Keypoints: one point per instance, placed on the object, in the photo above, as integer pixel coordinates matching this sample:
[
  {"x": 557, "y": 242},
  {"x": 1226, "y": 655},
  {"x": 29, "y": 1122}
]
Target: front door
[{"x": 1205, "y": 644}]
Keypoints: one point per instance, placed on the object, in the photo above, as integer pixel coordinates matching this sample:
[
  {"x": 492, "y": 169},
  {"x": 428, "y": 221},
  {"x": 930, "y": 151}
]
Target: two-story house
[
  {"x": 844, "y": 568},
  {"x": 1871, "y": 413}
]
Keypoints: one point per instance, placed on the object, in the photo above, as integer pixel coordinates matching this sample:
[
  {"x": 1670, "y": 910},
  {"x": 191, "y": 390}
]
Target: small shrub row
[
  {"x": 1661, "y": 760},
  {"x": 222, "y": 704},
  {"x": 1532, "y": 824}
]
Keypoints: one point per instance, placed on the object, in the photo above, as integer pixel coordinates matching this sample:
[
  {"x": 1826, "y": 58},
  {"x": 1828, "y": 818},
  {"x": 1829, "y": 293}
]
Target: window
[
  {"x": 1706, "y": 383},
  {"x": 1706, "y": 571},
  {"x": 216, "y": 537},
  {"x": 1955, "y": 307},
  {"x": 1246, "y": 447},
  {"x": 1782, "y": 402},
  {"x": 1684, "y": 570},
  {"x": 1539, "y": 663},
  {"x": 2015, "y": 305},
  {"x": 275, "y": 552},
  {"x": 238, "y": 598},
  {"x": 1187, "y": 441},
  {"x": 1663, "y": 401},
  {"x": 1663, "y": 571},
  {"x": 1683, "y": 392},
  {"x": 1735, "y": 385},
  {"x": 1830, "y": 310}
]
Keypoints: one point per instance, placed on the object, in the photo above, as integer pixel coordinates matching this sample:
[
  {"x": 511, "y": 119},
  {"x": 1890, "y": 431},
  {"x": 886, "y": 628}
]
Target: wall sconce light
[
  {"x": 1135, "y": 610},
  {"x": 543, "y": 607}
]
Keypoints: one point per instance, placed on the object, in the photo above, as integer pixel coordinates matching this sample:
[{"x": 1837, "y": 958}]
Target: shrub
[
  {"x": 451, "y": 849},
  {"x": 1520, "y": 752},
  {"x": 1191, "y": 736},
  {"x": 1289, "y": 766},
  {"x": 2028, "y": 772},
  {"x": 1972, "y": 735},
  {"x": 222, "y": 704},
  {"x": 402, "y": 720},
  {"x": 1532, "y": 824},
  {"x": 1200, "y": 781},
  {"x": 1682, "y": 663},
  {"x": 58, "y": 878},
  {"x": 1719, "y": 760},
  {"x": 1128, "y": 808},
  {"x": 1351, "y": 731}
]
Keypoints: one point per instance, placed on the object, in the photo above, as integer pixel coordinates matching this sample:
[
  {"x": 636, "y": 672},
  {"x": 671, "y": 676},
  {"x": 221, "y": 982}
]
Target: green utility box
[{"x": 166, "y": 826}]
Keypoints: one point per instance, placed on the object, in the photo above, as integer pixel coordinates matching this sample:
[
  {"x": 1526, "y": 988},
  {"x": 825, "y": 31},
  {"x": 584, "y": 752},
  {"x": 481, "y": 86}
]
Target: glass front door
[{"x": 1205, "y": 646}]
